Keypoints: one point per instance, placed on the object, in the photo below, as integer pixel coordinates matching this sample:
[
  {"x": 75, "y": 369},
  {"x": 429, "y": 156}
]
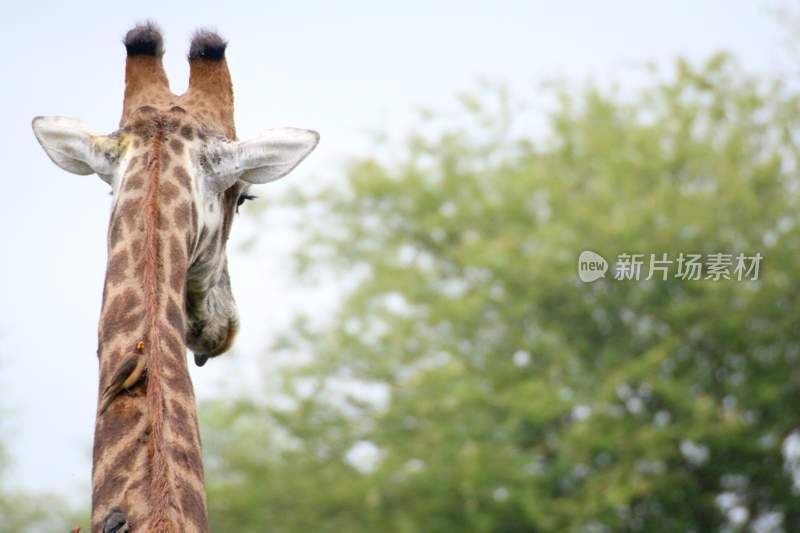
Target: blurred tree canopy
[
  {"x": 30, "y": 512},
  {"x": 470, "y": 381}
]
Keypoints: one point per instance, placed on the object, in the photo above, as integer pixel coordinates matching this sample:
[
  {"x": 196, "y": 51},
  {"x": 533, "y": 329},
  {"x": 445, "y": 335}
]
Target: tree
[
  {"x": 31, "y": 512},
  {"x": 471, "y": 382}
]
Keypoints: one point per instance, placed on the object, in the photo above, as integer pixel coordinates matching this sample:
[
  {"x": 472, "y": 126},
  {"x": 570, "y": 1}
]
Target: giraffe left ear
[
  {"x": 265, "y": 158},
  {"x": 72, "y": 145}
]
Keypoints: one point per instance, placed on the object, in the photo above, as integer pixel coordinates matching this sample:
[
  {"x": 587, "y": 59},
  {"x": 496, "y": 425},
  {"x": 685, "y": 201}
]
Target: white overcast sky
[{"x": 344, "y": 68}]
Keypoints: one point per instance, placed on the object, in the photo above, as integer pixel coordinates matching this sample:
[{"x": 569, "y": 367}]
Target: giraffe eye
[{"x": 242, "y": 199}]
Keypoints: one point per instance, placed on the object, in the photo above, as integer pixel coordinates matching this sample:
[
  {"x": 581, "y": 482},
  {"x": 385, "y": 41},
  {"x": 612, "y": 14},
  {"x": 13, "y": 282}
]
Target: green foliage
[
  {"x": 519, "y": 398},
  {"x": 34, "y": 513},
  {"x": 30, "y": 512}
]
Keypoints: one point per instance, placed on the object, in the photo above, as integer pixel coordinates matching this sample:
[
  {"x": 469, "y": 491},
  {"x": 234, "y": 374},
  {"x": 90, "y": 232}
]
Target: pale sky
[{"x": 343, "y": 68}]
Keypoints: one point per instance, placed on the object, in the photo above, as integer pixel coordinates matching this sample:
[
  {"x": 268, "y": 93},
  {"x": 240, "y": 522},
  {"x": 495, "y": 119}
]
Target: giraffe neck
[{"x": 147, "y": 457}]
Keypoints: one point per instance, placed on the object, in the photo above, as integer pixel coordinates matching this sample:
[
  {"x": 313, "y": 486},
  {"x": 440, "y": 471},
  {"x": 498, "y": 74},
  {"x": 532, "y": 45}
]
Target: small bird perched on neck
[{"x": 126, "y": 376}]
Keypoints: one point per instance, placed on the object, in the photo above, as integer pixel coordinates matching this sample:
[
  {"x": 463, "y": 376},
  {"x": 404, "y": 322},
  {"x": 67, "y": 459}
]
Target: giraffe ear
[
  {"x": 265, "y": 158},
  {"x": 74, "y": 147}
]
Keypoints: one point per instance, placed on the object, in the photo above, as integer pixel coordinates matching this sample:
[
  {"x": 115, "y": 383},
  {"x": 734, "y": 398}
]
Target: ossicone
[
  {"x": 144, "y": 40},
  {"x": 207, "y": 44}
]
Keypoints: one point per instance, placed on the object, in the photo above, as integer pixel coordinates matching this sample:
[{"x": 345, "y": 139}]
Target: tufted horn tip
[
  {"x": 144, "y": 40},
  {"x": 207, "y": 44}
]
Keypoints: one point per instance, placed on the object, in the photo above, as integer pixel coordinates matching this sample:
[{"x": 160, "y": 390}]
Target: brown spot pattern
[
  {"x": 179, "y": 384},
  {"x": 176, "y": 146},
  {"x": 182, "y": 214},
  {"x": 175, "y": 316},
  {"x": 181, "y": 423},
  {"x": 184, "y": 457},
  {"x": 168, "y": 192},
  {"x": 113, "y": 428},
  {"x": 193, "y": 507},
  {"x": 115, "y": 232},
  {"x": 107, "y": 489},
  {"x": 134, "y": 182},
  {"x": 183, "y": 177},
  {"x": 164, "y": 160},
  {"x": 116, "y": 267},
  {"x": 177, "y": 273},
  {"x": 136, "y": 248},
  {"x": 123, "y": 313},
  {"x": 174, "y": 346},
  {"x": 129, "y": 211}
]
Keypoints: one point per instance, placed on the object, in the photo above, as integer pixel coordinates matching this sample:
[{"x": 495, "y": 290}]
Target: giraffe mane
[{"x": 162, "y": 496}]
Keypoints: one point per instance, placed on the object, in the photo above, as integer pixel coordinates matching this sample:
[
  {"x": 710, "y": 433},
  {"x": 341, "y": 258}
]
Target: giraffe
[{"x": 177, "y": 174}]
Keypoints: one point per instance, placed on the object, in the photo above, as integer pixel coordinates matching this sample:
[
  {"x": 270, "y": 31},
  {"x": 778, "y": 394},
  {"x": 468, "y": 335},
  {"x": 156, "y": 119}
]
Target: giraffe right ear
[
  {"x": 267, "y": 157},
  {"x": 74, "y": 147}
]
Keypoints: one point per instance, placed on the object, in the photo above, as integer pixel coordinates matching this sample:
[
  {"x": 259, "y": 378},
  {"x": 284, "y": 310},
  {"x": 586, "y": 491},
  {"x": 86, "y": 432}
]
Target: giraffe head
[{"x": 177, "y": 159}]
